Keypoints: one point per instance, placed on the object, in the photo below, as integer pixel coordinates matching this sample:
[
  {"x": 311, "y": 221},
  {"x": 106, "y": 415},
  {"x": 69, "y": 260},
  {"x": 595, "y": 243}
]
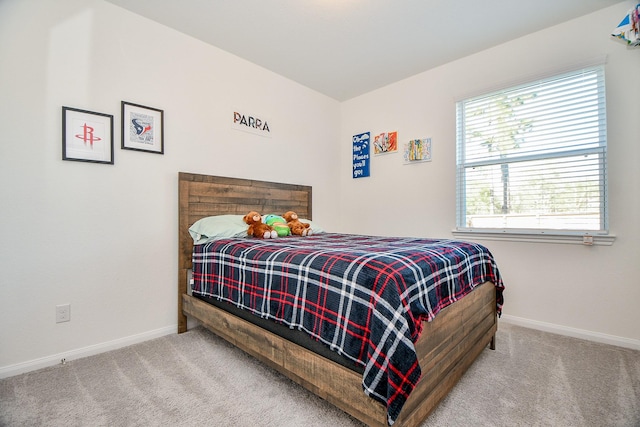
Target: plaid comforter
[{"x": 365, "y": 297}]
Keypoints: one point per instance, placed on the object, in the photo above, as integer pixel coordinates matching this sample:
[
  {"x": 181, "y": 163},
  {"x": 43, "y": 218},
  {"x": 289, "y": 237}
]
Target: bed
[{"x": 444, "y": 347}]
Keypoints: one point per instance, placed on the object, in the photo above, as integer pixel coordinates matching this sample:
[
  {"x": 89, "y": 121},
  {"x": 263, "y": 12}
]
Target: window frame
[{"x": 580, "y": 236}]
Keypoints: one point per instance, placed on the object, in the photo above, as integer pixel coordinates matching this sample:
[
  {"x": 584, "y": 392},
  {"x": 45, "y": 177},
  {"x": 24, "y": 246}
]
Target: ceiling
[{"x": 344, "y": 48}]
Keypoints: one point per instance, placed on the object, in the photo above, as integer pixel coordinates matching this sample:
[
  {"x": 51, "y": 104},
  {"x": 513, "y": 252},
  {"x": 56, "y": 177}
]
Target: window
[{"x": 532, "y": 159}]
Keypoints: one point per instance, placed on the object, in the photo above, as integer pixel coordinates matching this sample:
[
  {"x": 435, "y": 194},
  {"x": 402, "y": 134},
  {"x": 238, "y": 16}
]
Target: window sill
[{"x": 542, "y": 237}]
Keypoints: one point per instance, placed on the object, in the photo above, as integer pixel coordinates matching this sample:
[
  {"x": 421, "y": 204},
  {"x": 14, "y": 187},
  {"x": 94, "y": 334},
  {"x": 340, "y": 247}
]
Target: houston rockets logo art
[{"x": 87, "y": 136}]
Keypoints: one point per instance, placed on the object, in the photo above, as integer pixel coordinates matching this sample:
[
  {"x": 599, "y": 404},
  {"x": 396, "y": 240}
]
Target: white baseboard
[
  {"x": 44, "y": 362},
  {"x": 572, "y": 332}
]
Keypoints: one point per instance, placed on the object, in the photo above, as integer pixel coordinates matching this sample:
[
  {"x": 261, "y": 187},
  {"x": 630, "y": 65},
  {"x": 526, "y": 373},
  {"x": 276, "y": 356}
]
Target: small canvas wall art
[
  {"x": 417, "y": 150},
  {"x": 385, "y": 143},
  {"x": 361, "y": 154}
]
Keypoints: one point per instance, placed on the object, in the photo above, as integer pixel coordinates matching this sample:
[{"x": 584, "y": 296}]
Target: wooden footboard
[{"x": 447, "y": 347}]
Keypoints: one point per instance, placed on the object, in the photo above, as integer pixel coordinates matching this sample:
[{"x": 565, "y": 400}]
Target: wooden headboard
[{"x": 204, "y": 195}]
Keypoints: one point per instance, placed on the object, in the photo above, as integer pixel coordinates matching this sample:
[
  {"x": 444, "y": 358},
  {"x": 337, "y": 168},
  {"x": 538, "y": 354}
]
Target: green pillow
[{"x": 218, "y": 227}]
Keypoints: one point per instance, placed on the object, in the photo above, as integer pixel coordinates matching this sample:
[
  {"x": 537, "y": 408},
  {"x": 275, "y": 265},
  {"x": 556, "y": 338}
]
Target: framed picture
[
  {"x": 142, "y": 128},
  {"x": 87, "y": 136}
]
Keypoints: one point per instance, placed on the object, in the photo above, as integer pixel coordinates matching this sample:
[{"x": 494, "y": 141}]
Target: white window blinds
[{"x": 533, "y": 157}]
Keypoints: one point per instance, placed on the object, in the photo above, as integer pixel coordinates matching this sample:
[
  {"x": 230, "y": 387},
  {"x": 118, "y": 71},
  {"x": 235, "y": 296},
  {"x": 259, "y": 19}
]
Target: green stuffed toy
[{"x": 278, "y": 224}]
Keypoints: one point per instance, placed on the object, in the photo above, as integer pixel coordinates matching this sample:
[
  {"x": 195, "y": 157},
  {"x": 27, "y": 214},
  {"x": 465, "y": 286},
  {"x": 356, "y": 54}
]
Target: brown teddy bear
[
  {"x": 297, "y": 227},
  {"x": 257, "y": 228}
]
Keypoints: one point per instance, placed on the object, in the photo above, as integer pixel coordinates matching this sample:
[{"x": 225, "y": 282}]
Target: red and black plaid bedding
[{"x": 363, "y": 296}]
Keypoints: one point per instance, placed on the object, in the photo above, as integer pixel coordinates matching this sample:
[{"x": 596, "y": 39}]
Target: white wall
[
  {"x": 592, "y": 292},
  {"x": 104, "y": 237}
]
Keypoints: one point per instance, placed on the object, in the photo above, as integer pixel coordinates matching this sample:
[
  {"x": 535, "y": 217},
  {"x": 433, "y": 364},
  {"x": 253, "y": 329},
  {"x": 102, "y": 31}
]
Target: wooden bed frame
[{"x": 447, "y": 347}]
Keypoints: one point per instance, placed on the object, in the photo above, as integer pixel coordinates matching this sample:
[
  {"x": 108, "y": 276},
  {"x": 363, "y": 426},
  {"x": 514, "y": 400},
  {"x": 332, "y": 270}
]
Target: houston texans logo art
[{"x": 139, "y": 128}]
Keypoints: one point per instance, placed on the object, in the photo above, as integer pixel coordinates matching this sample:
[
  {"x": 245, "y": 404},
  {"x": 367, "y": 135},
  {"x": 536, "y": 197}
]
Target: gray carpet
[{"x": 532, "y": 379}]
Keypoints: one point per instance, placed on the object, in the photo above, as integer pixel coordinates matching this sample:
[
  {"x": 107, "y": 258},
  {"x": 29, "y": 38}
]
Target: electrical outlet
[{"x": 63, "y": 313}]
